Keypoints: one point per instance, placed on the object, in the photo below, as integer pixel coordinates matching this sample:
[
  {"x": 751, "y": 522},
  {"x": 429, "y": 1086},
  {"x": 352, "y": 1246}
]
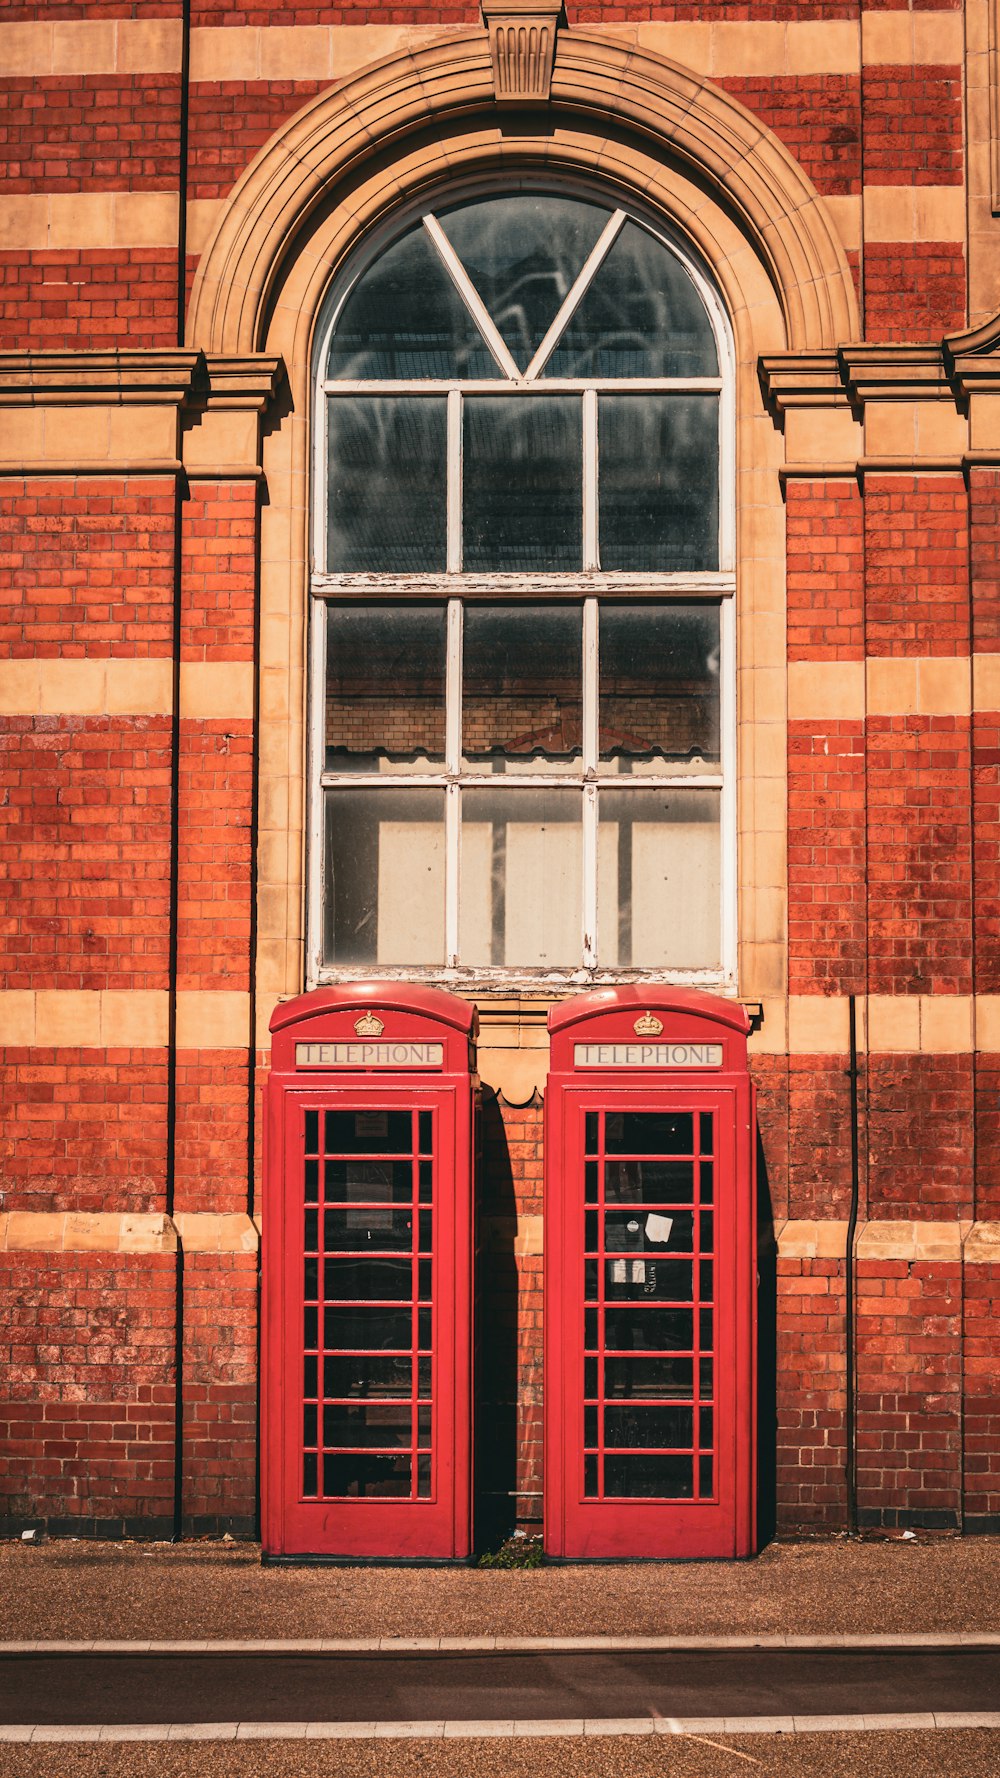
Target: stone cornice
[
  {"x": 892, "y": 373},
  {"x": 77, "y": 379},
  {"x": 952, "y": 369},
  {"x": 182, "y": 378},
  {"x": 246, "y": 380}
]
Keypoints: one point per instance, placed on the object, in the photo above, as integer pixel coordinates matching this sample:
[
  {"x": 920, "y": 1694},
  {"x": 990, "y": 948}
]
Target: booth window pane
[
  {"x": 659, "y": 862},
  {"x": 521, "y": 878},
  {"x": 659, "y": 673},
  {"x": 384, "y": 877},
  {"x": 523, "y": 483},
  {"x": 387, "y": 484},
  {"x": 385, "y": 688},
  {"x": 658, "y": 505},
  {"x": 521, "y": 692}
]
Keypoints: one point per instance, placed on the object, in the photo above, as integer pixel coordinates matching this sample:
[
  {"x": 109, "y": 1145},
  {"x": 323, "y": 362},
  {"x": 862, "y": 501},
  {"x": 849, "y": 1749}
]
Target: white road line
[{"x": 474, "y": 1730}]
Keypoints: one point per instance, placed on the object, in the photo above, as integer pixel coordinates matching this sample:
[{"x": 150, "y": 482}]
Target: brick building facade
[{"x": 184, "y": 186}]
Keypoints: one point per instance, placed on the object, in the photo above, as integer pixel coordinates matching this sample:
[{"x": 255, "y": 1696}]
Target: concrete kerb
[
  {"x": 569, "y": 1727},
  {"x": 390, "y": 1645}
]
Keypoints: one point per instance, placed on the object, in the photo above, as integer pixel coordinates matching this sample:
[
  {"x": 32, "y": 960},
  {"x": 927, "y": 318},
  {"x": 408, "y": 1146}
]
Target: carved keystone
[{"x": 522, "y": 49}]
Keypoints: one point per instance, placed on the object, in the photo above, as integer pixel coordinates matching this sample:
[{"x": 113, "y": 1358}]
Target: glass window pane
[
  {"x": 384, "y": 876},
  {"x": 387, "y": 484},
  {"x": 521, "y": 878},
  {"x": 641, "y": 317},
  {"x": 659, "y": 671},
  {"x": 365, "y": 1375},
  {"x": 658, "y": 482},
  {"x": 521, "y": 695},
  {"x": 523, "y": 252},
  {"x": 405, "y": 319},
  {"x": 523, "y": 483},
  {"x": 636, "y": 1426},
  {"x": 665, "y": 1478},
  {"x": 385, "y": 692},
  {"x": 658, "y": 886}
]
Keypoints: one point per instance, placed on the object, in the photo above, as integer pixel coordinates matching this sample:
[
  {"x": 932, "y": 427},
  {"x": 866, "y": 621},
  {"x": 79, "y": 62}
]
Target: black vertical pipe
[
  {"x": 850, "y": 1433},
  {"x": 182, "y": 169}
]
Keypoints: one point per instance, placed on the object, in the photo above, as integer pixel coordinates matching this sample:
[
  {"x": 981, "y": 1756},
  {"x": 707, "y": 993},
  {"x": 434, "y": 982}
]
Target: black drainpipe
[
  {"x": 852, "y": 1223},
  {"x": 182, "y": 168},
  {"x": 175, "y": 756}
]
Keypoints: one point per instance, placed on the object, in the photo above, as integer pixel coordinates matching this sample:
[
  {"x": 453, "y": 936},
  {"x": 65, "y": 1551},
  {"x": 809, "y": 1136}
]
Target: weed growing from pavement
[{"x": 518, "y": 1551}]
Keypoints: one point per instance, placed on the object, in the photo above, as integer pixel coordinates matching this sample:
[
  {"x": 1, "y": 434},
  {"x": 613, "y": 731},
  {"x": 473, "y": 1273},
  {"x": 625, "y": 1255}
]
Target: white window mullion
[
  {"x": 472, "y": 299},
  {"x": 454, "y": 514},
  {"x": 576, "y": 293},
  {"x": 590, "y": 751},
  {"x": 453, "y": 690},
  {"x": 453, "y": 766},
  {"x": 590, "y": 910},
  {"x": 452, "y": 841},
  {"x": 727, "y": 800},
  {"x": 315, "y": 861},
  {"x": 590, "y": 543},
  {"x": 590, "y": 687}
]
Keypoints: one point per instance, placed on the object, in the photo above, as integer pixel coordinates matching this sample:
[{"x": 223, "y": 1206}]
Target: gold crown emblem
[
  {"x": 368, "y": 1025},
  {"x": 648, "y": 1025}
]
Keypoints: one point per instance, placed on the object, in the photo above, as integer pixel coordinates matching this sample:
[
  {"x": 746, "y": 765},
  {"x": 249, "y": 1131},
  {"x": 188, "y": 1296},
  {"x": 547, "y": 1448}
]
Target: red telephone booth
[
  {"x": 367, "y": 1282},
  {"x": 650, "y": 1271}
]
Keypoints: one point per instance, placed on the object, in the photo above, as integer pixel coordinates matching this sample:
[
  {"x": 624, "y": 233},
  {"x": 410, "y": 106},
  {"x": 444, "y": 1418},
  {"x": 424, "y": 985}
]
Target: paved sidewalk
[{"x": 77, "y": 1590}]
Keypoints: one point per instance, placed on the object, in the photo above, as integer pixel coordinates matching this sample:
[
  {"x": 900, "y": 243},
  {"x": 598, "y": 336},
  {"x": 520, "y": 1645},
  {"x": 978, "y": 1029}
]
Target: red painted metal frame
[
  {"x": 438, "y": 1527},
  {"x": 581, "y": 1527}
]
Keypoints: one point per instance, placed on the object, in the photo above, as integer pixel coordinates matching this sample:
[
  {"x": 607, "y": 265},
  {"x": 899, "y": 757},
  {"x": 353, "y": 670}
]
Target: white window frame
[{"x": 587, "y": 587}]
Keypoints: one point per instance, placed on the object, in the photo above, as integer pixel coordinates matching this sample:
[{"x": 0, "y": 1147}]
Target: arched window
[{"x": 522, "y": 723}]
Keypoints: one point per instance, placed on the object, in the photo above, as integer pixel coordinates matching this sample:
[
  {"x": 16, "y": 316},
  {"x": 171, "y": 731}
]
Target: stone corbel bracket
[{"x": 522, "y": 49}]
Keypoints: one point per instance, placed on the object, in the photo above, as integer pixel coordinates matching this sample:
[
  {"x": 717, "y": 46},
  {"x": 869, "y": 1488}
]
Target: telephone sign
[
  {"x": 650, "y": 1271},
  {"x": 367, "y": 1276}
]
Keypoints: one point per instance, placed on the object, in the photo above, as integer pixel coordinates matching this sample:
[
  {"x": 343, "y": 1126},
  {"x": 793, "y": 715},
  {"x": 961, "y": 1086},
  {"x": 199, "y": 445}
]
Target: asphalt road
[{"x": 111, "y": 1688}]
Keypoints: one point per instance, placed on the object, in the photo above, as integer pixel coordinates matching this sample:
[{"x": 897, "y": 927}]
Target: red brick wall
[
  {"x": 94, "y": 298},
  {"x": 86, "y": 567},
  {"x": 86, "y": 1427},
  {"x": 83, "y": 1129},
  {"x": 811, "y": 1484},
  {"x": 909, "y": 1393},
  {"x": 90, "y": 132},
  {"x": 220, "y": 1393}
]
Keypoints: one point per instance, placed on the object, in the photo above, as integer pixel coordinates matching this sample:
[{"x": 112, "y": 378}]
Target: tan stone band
[
  {"x": 832, "y": 691},
  {"x": 40, "y": 1231},
  {"x": 323, "y": 52},
  {"x": 31, "y": 1231},
  {"x": 209, "y": 690}
]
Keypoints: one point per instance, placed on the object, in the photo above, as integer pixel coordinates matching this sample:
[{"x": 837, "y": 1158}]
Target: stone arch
[{"x": 606, "y": 100}]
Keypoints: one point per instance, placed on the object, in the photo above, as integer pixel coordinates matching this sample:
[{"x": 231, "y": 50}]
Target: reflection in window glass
[
  {"x": 385, "y": 687},
  {"x": 521, "y": 878},
  {"x": 641, "y": 317},
  {"x": 387, "y": 480},
  {"x": 659, "y": 671},
  {"x": 658, "y": 496},
  {"x": 521, "y": 695},
  {"x": 658, "y": 879},
  {"x": 523, "y": 252},
  {"x": 405, "y": 319},
  {"x": 384, "y": 876},
  {"x": 523, "y": 483}
]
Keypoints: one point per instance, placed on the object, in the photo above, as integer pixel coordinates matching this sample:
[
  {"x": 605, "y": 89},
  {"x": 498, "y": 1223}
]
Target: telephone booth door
[
  {"x": 367, "y": 1239},
  {"x": 650, "y": 1273}
]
